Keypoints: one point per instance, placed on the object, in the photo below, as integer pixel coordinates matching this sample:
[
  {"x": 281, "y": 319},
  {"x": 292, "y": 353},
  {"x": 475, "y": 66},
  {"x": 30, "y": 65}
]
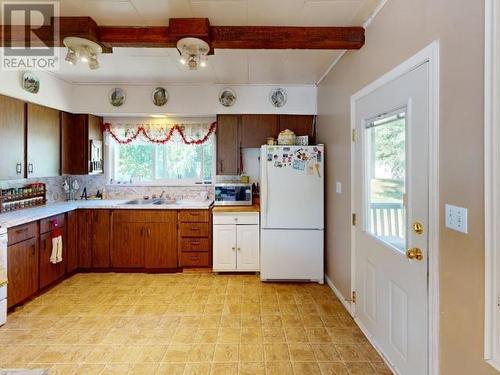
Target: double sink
[{"x": 156, "y": 202}]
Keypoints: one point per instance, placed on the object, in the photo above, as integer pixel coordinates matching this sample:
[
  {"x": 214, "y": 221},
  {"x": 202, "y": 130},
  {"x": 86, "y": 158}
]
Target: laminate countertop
[
  {"x": 27, "y": 215},
  {"x": 252, "y": 208}
]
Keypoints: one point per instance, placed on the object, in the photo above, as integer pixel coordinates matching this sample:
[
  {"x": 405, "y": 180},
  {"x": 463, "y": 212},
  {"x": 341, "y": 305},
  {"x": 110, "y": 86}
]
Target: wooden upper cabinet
[
  {"x": 95, "y": 128},
  {"x": 74, "y": 136},
  {"x": 256, "y": 128},
  {"x": 299, "y": 124},
  {"x": 228, "y": 147},
  {"x": 77, "y": 133},
  {"x": 12, "y": 125},
  {"x": 43, "y": 139}
]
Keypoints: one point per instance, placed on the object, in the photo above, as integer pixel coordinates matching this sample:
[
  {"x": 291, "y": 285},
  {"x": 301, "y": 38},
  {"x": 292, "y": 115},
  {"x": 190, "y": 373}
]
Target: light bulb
[
  {"x": 93, "y": 63},
  {"x": 183, "y": 61},
  {"x": 71, "y": 56},
  {"x": 203, "y": 64}
]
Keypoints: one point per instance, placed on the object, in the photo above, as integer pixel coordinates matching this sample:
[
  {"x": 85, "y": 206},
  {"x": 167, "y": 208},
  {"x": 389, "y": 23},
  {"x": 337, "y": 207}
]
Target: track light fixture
[
  {"x": 82, "y": 49},
  {"x": 193, "y": 52}
]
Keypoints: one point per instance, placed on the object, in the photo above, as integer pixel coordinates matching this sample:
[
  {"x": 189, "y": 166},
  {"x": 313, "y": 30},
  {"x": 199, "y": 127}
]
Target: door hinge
[
  {"x": 354, "y": 135},
  {"x": 353, "y": 219},
  {"x": 353, "y": 297}
]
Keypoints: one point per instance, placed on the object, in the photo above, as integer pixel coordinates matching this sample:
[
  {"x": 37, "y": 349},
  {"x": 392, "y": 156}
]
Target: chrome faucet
[{"x": 162, "y": 195}]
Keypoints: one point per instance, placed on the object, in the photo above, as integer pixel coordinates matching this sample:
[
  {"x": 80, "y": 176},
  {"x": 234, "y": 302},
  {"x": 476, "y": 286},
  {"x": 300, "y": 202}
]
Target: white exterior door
[
  {"x": 391, "y": 156},
  {"x": 247, "y": 247},
  {"x": 224, "y": 250}
]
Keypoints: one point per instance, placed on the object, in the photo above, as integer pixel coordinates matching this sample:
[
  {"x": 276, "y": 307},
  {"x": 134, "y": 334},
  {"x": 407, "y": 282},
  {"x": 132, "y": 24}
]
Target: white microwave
[{"x": 233, "y": 194}]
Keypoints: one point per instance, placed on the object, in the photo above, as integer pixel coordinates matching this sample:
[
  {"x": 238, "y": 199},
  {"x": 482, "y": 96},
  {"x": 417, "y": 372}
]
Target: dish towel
[{"x": 57, "y": 244}]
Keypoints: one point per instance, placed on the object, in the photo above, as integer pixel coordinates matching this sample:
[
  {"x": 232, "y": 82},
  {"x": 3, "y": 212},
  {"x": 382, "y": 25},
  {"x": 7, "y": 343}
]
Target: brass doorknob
[{"x": 414, "y": 253}]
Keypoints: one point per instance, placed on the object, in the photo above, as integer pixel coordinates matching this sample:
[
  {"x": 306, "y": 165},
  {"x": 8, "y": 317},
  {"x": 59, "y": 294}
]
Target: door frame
[
  {"x": 430, "y": 55},
  {"x": 491, "y": 182}
]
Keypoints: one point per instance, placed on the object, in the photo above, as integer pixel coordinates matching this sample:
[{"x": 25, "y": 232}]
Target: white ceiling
[
  {"x": 161, "y": 65},
  {"x": 224, "y": 12}
]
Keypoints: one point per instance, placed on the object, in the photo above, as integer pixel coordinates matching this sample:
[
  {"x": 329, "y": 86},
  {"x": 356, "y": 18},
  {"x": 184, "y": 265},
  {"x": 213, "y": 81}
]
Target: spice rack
[{"x": 14, "y": 199}]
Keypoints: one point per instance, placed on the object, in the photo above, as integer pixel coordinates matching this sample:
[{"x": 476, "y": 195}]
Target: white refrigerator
[{"x": 292, "y": 213}]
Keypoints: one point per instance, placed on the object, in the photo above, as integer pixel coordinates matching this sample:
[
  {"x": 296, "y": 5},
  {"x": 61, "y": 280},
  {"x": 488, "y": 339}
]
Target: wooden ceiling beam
[
  {"x": 224, "y": 37},
  {"x": 277, "y": 37}
]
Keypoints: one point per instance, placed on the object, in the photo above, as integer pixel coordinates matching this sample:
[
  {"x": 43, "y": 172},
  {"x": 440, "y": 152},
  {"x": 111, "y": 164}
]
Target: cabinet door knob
[
  {"x": 30, "y": 168},
  {"x": 234, "y": 248},
  {"x": 19, "y": 168}
]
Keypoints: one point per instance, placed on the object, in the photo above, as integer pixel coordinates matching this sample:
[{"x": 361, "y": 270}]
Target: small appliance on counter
[
  {"x": 233, "y": 194},
  {"x": 3, "y": 276}
]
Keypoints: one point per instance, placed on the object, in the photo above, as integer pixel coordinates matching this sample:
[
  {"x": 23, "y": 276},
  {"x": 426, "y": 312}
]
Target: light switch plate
[
  {"x": 456, "y": 218},
  {"x": 338, "y": 187}
]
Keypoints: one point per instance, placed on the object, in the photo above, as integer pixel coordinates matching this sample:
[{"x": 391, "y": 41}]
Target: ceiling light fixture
[
  {"x": 82, "y": 49},
  {"x": 193, "y": 52}
]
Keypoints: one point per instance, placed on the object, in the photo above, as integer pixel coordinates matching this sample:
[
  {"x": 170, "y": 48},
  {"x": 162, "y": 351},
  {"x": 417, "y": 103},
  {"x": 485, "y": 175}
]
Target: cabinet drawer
[
  {"x": 194, "y": 260},
  {"x": 193, "y": 216},
  {"x": 245, "y": 218},
  {"x": 46, "y": 224},
  {"x": 194, "y": 244},
  {"x": 194, "y": 229},
  {"x": 22, "y": 233}
]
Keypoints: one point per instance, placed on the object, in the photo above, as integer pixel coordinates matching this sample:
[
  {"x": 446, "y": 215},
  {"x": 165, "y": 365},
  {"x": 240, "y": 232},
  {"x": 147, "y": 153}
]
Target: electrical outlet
[
  {"x": 338, "y": 187},
  {"x": 456, "y": 218}
]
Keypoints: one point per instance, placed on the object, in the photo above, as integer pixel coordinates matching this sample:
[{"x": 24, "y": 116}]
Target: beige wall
[{"x": 401, "y": 29}]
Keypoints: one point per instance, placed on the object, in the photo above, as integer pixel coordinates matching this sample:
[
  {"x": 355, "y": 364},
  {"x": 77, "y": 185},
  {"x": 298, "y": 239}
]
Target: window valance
[{"x": 160, "y": 133}]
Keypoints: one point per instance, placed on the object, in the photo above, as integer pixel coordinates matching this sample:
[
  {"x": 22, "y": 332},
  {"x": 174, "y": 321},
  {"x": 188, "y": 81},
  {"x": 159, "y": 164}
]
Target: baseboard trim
[
  {"x": 347, "y": 304},
  {"x": 377, "y": 348}
]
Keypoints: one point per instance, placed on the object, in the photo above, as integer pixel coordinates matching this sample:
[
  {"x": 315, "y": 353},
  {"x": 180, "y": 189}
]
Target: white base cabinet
[{"x": 236, "y": 246}]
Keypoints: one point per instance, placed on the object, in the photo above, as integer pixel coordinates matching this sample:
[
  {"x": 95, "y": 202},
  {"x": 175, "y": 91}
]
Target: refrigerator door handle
[{"x": 263, "y": 185}]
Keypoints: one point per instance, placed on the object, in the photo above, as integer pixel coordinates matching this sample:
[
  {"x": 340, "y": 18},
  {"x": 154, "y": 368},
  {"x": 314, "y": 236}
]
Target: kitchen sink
[
  {"x": 162, "y": 201},
  {"x": 156, "y": 202},
  {"x": 140, "y": 201}
]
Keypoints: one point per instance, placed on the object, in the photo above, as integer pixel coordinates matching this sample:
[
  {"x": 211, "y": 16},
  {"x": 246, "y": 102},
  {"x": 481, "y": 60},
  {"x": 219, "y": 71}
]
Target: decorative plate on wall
[
  {"x": 159, "y": 96},
  {"x": 278, "y": 97},
  {"x": 117, "y": 97},
  {"x": 227, "y": 97},
  {"x": 31, "y": 83}
]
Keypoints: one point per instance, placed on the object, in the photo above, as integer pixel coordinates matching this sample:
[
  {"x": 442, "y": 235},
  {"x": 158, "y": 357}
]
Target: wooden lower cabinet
[
  {"x": 49, "y": 273},
  {"x": 160, "y": 246},
  {"x": 72, "y": 241},
  {"x": 144, "y": 239},
  {"x": 127, "y": 250},
  {"x": 194, "y": 238},
  {"x": 101, "y": 221},
  {"x": 22, "y": 271},
  {"x": 84, "y": 228}
]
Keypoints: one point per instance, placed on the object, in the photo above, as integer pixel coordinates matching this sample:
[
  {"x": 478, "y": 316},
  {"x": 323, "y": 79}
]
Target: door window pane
[{"x": 386, "y": 178}]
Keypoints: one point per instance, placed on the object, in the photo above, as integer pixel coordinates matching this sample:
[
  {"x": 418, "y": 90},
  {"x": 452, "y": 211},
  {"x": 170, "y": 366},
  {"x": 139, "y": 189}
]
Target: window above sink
[{"x": 147, "y": 161}]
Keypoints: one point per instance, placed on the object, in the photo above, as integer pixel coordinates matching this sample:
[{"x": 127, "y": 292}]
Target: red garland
[{"x": 141, "y": 129}]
